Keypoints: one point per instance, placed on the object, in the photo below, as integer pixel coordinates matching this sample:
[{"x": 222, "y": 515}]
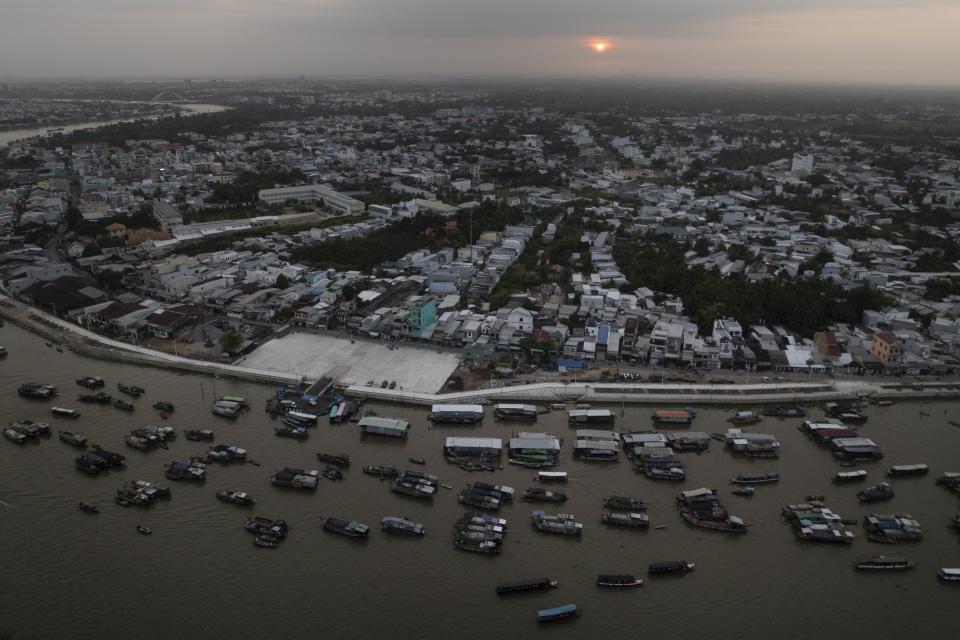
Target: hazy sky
[{"x": 861, "y": 41}]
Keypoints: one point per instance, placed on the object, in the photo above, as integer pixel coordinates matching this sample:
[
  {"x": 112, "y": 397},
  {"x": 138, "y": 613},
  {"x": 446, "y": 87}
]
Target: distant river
[
  {"x": 6, "y": 137},
  {"x": 69, "y": 574}
]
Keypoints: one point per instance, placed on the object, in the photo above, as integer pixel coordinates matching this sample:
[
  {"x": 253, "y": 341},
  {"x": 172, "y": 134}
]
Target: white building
[{"x": 338, "y": 202}]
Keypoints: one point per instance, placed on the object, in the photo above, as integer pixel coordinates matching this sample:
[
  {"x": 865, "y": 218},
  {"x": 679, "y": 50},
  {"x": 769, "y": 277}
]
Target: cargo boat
[
  {"x": 558, "y": 613},
  {"x": 883, "y": 563},
  {"x": 90, "y": 382},
  {"x": 626, "y": 520},
  {"x": 130, "y": 390},
  {"x": 521, "y": 586},
  {"x": 37, "y": 391},
  {"x": 536, "y": 494},
  {"x": 850, "y": 476},
  {"x": 296, "y": 478},
  {"x": 31, "y": 429},
  {"x": 198, "y": 435},
  {"x": 73, "y": 439},
  {"x": 948, "y": 574},
  {"x": 63, "y": 412},
  {"x": 340, "y": 459},
  {"x": 383, "y": 472},
  {"x": 552, "y": 476},
  {"x": 590, "y": 416},
  {"x": 618, "y": 580},
  {"x": 682, "y": 417},
  {"x": 95, "y": 398},
  {"x": 561, "y": 523},
  {"x": 352, "y": 529},
  {"x": 745, "y": 417},
  {"x": 625, "y": 503},
  {"x": 235, "y": 497},
  {"x": 515, "y": 412},
  {"x": 877, "y": 493}
]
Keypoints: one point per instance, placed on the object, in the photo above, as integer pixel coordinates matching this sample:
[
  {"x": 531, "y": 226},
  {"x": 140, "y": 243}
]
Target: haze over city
[{"x": 851, "y": 41}]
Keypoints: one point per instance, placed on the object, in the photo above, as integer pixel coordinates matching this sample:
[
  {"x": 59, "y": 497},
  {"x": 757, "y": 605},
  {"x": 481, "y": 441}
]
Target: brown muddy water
[{"x": 68, "y": 574}]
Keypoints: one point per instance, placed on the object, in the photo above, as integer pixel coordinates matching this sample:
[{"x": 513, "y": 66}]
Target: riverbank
[{"x": 90, "y": 344}]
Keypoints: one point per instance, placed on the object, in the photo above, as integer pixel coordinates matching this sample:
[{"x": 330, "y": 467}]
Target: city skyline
[{"x": 855, "y": 42}]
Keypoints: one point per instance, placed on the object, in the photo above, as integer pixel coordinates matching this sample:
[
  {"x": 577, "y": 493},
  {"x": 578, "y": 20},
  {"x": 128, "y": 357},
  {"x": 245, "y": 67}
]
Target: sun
[{"x": 600, "y": 46}]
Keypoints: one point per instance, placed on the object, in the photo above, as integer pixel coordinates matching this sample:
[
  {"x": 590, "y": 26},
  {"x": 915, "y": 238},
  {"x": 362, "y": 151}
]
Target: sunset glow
[{"x": 600, "y": 47}]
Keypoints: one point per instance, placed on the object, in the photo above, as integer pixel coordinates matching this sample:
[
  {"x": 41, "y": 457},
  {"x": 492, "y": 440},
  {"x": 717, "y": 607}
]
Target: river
[
  {"x": 69, "y": 574},
  {"x": 6, "y": 137}
]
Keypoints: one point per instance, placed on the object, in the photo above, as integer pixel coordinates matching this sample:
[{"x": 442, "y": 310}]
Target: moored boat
[
  {"x": 746, "y": 492},
  {"x": 95, "y": 398},
  {"x": 89, "y": 508},
  {"x": 552, "y": 476},
  {"x": 399, "y": 524},
  {"x": 949, "y": 574},
  {"x": 64, "y": 412},
  {"x": 130, "y": 390},
  {"x": 625, "y": 503},
  {"x": 745, "y": 417},
  {"x": 536, "y": 494},
  {"x": 74, "y": 439},
  {"x": 90, "y": 382},
  {"x": 235, "y": 497},
  {"x": 515, "y": 412},
  {"x": 850, "y": 476},
  {"x": 383, "y": 472},
  {"x": 756, "y": 478},
  {"x": 627, "y": 520},
  {"x": 14, "y": 436},
  {"x": 198, "y": 435},
  {"x": 683, "y": 417},
  {"x": 908, "y": 470},
  {"x": 286, "y": 431},
  {"x": 123, "y": 405},
  {"x": 350, "y": 528},
  {"x": 165, "y": 407},
  {"x": 877, "y": 493},
  {"x": 561, "y": 523},
  {"x": 340, "y": 459}
]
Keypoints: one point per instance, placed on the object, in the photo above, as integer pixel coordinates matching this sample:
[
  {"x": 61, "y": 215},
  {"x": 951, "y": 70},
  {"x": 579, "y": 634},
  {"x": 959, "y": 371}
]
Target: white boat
[
  {"x": 552, "y": 476},
  {"x": 64, "y": 412},
  {"x": 950, "y": 575}
]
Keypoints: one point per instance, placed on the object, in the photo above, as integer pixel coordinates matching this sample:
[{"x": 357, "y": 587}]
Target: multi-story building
[{"x": 887, "y": 347}]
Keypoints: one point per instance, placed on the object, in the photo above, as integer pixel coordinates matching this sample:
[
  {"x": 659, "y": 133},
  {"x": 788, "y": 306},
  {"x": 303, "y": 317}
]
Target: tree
[
  {"x": 109, "y": 278},
  {"x": 230, "y": 340},
  {"x": 283, "y": 282}
]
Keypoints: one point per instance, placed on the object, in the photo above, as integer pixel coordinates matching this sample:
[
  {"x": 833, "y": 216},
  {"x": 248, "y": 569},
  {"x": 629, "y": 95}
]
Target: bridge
[{"x": 168, "y": 97}]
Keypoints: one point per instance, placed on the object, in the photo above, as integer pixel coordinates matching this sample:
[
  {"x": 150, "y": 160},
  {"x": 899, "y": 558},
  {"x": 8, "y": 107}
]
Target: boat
[
  {"x": 399, "y": 524},
  {"x": 383, "y": 472},
  {"x": 523, "y": 586},
  {"x": 95, "y": 398},
  {"x": 226, "y": 409},
  {"x": 746, "y": 492},
  {"x": 74, "y": 439},
  {"x": 123, "y": 405},
  {"x": 240, "y": 400},
  {"x": 37, "y": 391},
  {"x": 90, "y": 382},
  {"x": 948, "y": 574},
  {"x": 144, "y": 530},
  {"x": 130, "y": 390},
  {"x": 226, "y": 453},
  {"x": 626, "y": 520},
  {"x": 745, "y": 417},
  {"x": 417, "y": 460},
  {"x": 552, "y": 476},
  {"x": 665, "y": 473},
  {"x": 456, "y": 413},
  {"x": 908, "y": 470},
  {"x": 884, "y": 403},
  {"x": 161, "y": 405},
  {"x": 785, "y": 411},
  {"x": 31, "y": 429},
  {"x": 536, "y": 494},
  {"x": 332, "y": 473},
  {"x": 683, "y": 417},
  {"x": 89, "y": 508},
  {"x": 235, "y": 497},
  {"x": 561, "y": 523},
  {"x": 756, "y": 478},
  {"x": 730, "y": 524},
  {"x": 558, "y": 613},
  {"x": 3, "y": 351},
  {"x": 286, "y": 431},
  {"x": 195, "y": 435},
  {"x": 877, "y": 493},
  {"x": 352, "y": 528},
  {"x": 515, "y": 412},
  {"x": 618, "y": 580},
  {"x": 296, "y": 478},
  {"x": 590, "y": 416},
  {"x": 625, "y": 503},
  {"x": 558, "y": 406},
  {"x": 883, "y": 563},
  {"x": 14, "y": 436},
  {"x": 260, "y": 526},
  {"x": 191, "y": 469},
  {"x": 265, "y": 542},
  {"x": 63, "y": 412},
  {"x": 670, "y": 566},
  {"x": 340, "y": 459},
  {"x": 850, "y": 476}
]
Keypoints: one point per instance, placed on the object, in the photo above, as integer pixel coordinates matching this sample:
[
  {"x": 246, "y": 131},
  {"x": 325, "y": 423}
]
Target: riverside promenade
[{"x": 85, "y": 342}]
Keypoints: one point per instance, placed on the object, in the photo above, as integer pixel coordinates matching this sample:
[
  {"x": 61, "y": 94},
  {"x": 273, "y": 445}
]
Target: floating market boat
[
  {"x": 552, "y": 476},
  {"x": 130, "y": 390},
  {"x": 235, "y": 497},
  {"x": 165, "y": 407},
  {"x": 95, "y": 398},
  {"x": 948, "y": 574},
  {"x": 625, "y": 503},
  {"x": 14, "y": 436},
  {"x": 286, "y": 431},
  {"x": 785, "y": 411},
  {"x": 536, "y": 494},
  {"x": 746, "y": 492},
  {"x": 123, "y": 405},
  {"x": 90, "y": 382},
  {"x": 745, "y": 417},
  {"x": 73, "y": 438},
  {"x": 850, "y": 476},
  {"x": 877, "y": 493},
  {"x": 908, "y": 470},
  {"x": 383, "y": 472},
  {"x": 64, "y": 412},
  {"x": 31, "y": 429},
  {"x": 89, "y": 508},
  {"x": 37, "y": 391},
  {"x": 756, "y": 478},
  {"x": 201, "y": 435},
  {"x": 626, "y": 520},
  {"x": 341, "y": 459},
  {"x": 399, "y": 524},
  {"x": 296, "y": 478},
  {"x": 350, "y": 528},
  {"x": 561, "y": 523}
]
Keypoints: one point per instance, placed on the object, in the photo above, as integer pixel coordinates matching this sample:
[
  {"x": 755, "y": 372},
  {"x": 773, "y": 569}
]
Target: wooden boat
[
  {"x": 536, "y": 494},
  {"x": 745, "y": 417},
  {"x": 352, "y": 528},
  {"x": 626, "y": 520},
  {"x": 130, "y": 390},
  {"x": 618, "y": 580},
  {"x": 850, "y": 476},
  {"x": 908, "y": 470},
  {"x": 399, "y": 524},
  {"x": 670, "y": 566},
  {"x": 383, "y": 472},
  {"x": 340, "y": 459},
  {"x": 883, "y": 563},
  {"x": 195, "y": 435},
  {"x": 417, "y": 461},
  {"x": 756, "y": 478},
  {"x": 161, "y": 405},
  {"x": 558, "y": 613},
  {"x": 89, "y": 508},
  {"x": 948, "y": 574},
  {"x": 96, "y": 398},
  {"x": 146, "y": 531},
  {"x": 332, "y": 473},
  {"x": 63, "y": 412},
  {"x": 235, "y": 497},
  {"x": 90, "y": 382},
  {"x": 522, "y": 586},
  {"x": 73, "y": 439},
  {"x": 551, "y": 476},
  {"x": 123, "y": 405},
  {"x": 746, "y": 492},
  {"x": 876, "y": 493},
  {"x": 625, "y": 503}
]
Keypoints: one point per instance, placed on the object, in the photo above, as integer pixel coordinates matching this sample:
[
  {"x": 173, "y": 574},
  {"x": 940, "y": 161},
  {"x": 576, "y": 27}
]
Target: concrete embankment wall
[{"x": 88, "y": 343}]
